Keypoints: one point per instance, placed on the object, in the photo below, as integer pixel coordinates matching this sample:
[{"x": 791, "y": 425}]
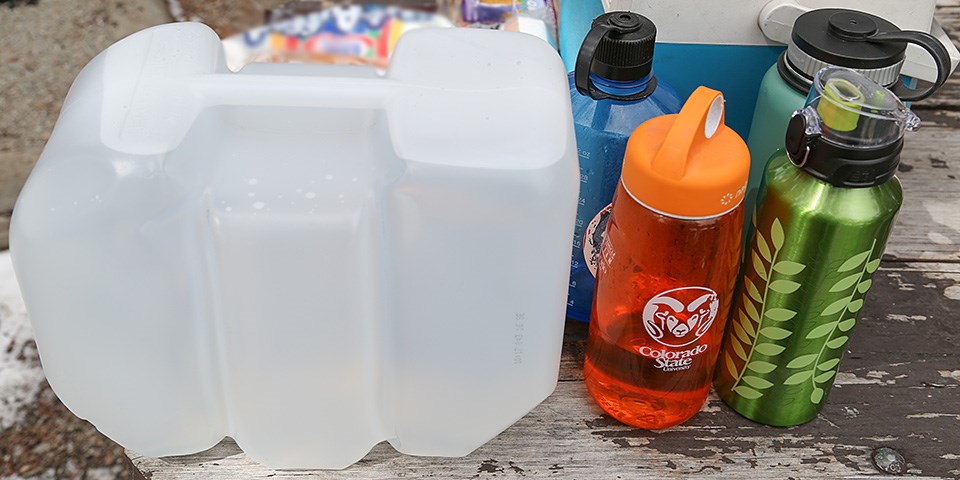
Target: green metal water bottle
[{"x": 827, "y": 205}]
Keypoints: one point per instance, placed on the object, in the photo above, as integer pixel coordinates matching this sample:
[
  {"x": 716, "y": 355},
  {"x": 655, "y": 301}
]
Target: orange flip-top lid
[{"x": 688, "y": 165}]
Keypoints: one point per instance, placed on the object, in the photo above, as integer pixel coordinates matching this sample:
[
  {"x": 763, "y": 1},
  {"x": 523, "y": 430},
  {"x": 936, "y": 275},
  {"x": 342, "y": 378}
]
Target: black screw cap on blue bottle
[{"x": 619, "y": 47}]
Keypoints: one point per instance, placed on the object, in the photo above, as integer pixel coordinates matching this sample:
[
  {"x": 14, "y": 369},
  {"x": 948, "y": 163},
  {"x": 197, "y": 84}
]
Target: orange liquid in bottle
[{"x": 664, "y": 288}]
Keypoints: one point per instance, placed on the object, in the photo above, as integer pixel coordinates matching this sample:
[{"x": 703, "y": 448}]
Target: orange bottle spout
[{"x": 690, "y": 164}]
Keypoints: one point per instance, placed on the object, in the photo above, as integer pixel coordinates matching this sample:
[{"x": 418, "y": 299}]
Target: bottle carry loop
[
  {"x": 697, "y": 122},
  {"x": 936, "y": 50}
]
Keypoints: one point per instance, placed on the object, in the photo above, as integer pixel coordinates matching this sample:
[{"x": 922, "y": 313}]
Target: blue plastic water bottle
[{"x": 613, "y": 90}]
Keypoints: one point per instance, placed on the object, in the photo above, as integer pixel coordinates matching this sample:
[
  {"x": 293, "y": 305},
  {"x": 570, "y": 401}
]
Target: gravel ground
[
  {"x": 46, "y": 43},
  {"x": 226, "y": 17},
  {"x": 49, "y": 442},
  {"x": 39, "y": 437}
]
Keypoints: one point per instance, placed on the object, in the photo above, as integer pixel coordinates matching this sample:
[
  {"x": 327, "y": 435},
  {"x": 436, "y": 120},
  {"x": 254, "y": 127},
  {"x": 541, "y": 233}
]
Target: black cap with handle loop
[
  {"x": 936, "y": 50},
  {"x": 619, "y": 47},
  {"x": 867, "y": 43}
]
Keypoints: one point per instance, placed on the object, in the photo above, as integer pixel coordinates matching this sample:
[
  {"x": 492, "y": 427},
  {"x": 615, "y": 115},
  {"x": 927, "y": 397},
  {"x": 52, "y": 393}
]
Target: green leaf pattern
[
  {"x": 854, "y": 262},
  {"x": 747, "y": 392},
  {"x": 763, "y": 248},
  {"x": 769, "y": 349},
  {"x": 775, "y": 333},
  {"x": 829, "y": 364},
  {"x": 817, "y": 395},
  {"x": 757, "y": 329},
  {"x": 784, "y": 286},
  {"x": 757, "y": 382},
  {"x": 752, "y": 289},
  {"x": 787, "y": 267},
  {"x": 818, "y": 368},
  {"x": 798, "y": 378},
  {"x": 751, "y": 334},
  {"x": 779, "y": 314}
]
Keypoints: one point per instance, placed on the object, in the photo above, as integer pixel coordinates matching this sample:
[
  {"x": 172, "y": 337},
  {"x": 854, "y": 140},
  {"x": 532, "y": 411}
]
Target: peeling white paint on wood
[
  {"x": 847, "y": 378},
  {"x": 580, "y": 442},
  {"x": 952, "y": 292},
  {"x": 939, "y": 238},
  {"x": 954, "y": 375},
  {"x": 906, "y": 318},
  {"x": 935, "y": 415}
]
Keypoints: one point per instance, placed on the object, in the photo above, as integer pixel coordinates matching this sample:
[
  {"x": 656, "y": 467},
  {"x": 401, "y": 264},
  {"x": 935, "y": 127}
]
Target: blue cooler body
[
  {"x": 576, "y": 16},
  {"x": 688, "y": 66}
]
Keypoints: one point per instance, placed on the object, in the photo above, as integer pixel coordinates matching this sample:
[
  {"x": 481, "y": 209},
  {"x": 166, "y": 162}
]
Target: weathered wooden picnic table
[{"x": 898, "y": 386}]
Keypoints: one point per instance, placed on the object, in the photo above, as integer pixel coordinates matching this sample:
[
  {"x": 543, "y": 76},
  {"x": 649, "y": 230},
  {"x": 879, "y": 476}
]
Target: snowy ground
[
  {"x": 45, "y": 43},
  {"x": 39, "y": 437},
  {"x": 20, "y": 374}
]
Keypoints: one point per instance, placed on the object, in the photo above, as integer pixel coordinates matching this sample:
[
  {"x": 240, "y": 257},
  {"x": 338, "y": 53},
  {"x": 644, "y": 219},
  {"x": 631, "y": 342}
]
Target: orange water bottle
[{"x": 668, "y": 266}]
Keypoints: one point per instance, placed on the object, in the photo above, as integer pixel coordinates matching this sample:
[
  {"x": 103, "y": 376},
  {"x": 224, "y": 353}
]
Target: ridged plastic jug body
[
  {"x": 308, "y": 259},
  {"x": 602, "y": 128}
]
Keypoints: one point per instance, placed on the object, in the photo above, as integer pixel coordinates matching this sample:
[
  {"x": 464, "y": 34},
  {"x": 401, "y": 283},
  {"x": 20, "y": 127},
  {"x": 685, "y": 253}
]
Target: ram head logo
[{"x": 681, "y": 316}]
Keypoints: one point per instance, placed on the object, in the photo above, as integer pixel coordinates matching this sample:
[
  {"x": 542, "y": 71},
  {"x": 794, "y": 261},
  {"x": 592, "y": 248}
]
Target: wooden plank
[
  {"x": 568, "y": 437},
  {"x": 928, "y": 226},
  {"x": 910, "y": 314},
  {"x": 899, "y": 386}
]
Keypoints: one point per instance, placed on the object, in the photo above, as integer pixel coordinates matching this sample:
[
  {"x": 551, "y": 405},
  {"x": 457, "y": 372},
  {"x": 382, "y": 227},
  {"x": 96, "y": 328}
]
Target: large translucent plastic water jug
[{"x": 308, "y": 259}]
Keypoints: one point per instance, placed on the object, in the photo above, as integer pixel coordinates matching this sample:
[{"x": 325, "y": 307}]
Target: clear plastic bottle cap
[{"x": 854, "y": 111}]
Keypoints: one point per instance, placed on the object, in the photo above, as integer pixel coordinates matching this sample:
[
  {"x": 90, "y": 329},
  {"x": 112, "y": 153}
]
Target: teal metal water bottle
[
  {"x": 866, "y": 43},
  {"x": 827, "y": 205}
]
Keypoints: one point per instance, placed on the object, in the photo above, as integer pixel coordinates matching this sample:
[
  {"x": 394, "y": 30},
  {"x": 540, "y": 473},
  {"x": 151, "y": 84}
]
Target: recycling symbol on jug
[{"x": 679, "y": 317}]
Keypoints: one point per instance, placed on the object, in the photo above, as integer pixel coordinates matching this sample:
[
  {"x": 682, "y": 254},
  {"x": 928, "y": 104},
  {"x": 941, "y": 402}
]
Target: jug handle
[
  {"x": 698, "y": 121},
  {"x": 325, "y": 92},
  {"x": 936, "y": 50}
]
